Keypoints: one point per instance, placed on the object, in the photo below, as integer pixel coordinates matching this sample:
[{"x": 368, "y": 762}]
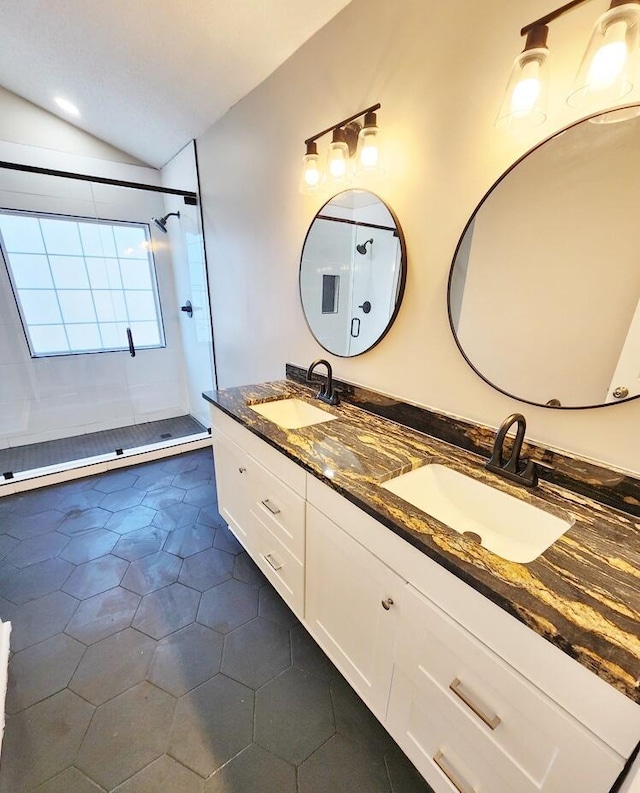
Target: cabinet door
[
  {"x": 233, "y": 473},
  {"x": 353, "y": 604}
]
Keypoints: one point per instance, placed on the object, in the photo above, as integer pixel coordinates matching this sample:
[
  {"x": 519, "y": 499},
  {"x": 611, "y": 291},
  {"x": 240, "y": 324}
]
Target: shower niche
[{"x": 352, "y": 273}]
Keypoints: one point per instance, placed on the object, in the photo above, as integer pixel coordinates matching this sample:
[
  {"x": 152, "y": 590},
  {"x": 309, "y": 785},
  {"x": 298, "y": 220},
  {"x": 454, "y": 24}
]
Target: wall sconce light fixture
[
  {"x": 350, "y": 141},
  {"x": 605, "y": 76}
]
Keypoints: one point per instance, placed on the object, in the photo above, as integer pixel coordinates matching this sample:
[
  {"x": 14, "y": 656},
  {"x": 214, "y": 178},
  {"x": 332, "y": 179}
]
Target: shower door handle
[
  {"x": 132, "y": 348},
  {"x": 355, "y": 327}
]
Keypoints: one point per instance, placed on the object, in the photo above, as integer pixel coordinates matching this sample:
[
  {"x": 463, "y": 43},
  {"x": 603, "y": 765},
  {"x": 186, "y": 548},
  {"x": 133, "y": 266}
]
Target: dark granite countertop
[{"x": 582, "y": 594}]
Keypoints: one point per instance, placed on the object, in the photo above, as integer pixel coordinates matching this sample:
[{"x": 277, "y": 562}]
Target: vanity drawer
[
  {"x": 526, "y": 736},
  {"x": 281, "y": 567},
  {"x": 280, "y": 509},
  {"x": 276, "y": 462}
]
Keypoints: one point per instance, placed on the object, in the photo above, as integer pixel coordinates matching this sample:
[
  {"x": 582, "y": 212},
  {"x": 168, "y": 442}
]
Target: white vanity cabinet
[
  {"x": 478, "y": 701},
  {"x": 262, "y": 496},
  {"x": 353, "y": 608}
]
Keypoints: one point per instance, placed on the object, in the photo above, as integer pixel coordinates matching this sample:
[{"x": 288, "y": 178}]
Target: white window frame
[{"x": 54, "y": 289}]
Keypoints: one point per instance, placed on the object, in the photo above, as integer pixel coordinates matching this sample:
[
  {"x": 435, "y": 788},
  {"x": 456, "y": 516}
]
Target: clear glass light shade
[
  {"x": 338, "y": 164},
  {"x": 607, "y": 71},
  {"x": 525, "y": 100},
  {"x": 310, "y": 181},
  {"x": 369, "y": 158}
]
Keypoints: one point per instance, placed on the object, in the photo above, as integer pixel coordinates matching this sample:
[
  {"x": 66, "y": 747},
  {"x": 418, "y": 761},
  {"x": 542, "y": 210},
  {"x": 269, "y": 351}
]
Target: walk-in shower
[{"x": 97, "y": 361}]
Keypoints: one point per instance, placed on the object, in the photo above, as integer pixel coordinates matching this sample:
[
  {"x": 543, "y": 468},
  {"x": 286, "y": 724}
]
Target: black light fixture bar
[
  {"x": 551, "y": 16},
  {"x": 345, "y": 121}
]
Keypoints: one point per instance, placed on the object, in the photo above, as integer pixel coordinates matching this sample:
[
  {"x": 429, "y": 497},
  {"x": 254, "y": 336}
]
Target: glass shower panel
[{"x": 91, "y": 347}]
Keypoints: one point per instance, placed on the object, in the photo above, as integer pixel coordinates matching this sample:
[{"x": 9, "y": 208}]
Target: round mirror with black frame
[
  {"x": 544, "y": 288},
  {"x": 352, "y": 273}
]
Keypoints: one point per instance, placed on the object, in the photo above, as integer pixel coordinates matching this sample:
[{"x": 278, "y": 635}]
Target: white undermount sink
[
  {"x": 292, "y": 414},
  {"x": 513, "y": 529}
]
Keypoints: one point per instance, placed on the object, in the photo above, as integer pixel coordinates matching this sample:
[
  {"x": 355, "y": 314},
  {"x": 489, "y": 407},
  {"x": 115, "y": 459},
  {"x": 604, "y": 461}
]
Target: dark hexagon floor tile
[
  {"x": 294, "y": 715},
  {"x": 30, "y": 583},
  {"x": 7, "y": 544},
  {"x": 23, "y": 527},
  {"x": 31, "y": 502},
  {"x": 152, "y": 572},
  {"x": 80, "y": 501},
  {"x": 39, "y": 619},
  {"x": 69, "y": 781},
  {"x": 82, "y": 521},
  {"x": 202, "y": 496},
  {"x": 153, "y": 481},
  {"x": 126, "y": 734},
  {"x": 354, "y": 720},
  {"x": 209, "y": 516},
  {"x": 114, "y": 481},
  {"x": 206, "y": 569},
  {"x": 92, "y": 578},
  {"x": 113, "y": 665},
  {"x": 42, "y": 741},
  {"x": 402, "y": 773},
  {"x": 186, "y": 659},
  {"x": 122, "y": 499},
  {"x": 212, "y": 724},
  {"x": 88, "y": 546},
  {"x": 189, "y": 540},
  {"x": 164, "y": 775},
  {"x": 103, "y": 614},
  {"x": 225, "y": 541},
  {"x": 139, "y": 543},
  {"x": 256, "y": 652},
  {"x": 245, "y": 569},
  {"x": 7, "y": 611},
  {"x": 343, "y": 767},
  {"x": 228, "y": 605},
  {"x": 167, "y": 610},
  {"x": 179, "y": 464},
  {"x": 308, "y": 656},
  {"x": 37, "y": 549},
  {"x": 127, "y": 520},
  {"x": 175, "y": 516},
  {"x": 254, "y": 769},
  {"x": 272, "y": 607},
  {"x": 42, "y": 670},
  {"x": 164, "y": 497},
  {"x": 191, "y": 479}
]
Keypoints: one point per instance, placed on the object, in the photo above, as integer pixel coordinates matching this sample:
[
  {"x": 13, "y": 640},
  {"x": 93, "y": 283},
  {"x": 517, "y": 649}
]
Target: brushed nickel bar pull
[
  {"x": 452, "y": 775},
  {"x": 273, "y": 510},
  {"x": 491, "y": 720},
  {"x": 269, "y": 559}
]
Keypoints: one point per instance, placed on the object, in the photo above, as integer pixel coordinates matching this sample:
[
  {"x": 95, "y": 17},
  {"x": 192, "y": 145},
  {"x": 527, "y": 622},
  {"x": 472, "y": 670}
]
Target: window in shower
[{"x": 80, "y": 284}]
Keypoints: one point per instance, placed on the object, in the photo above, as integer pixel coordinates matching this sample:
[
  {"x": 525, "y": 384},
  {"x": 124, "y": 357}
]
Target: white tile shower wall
[
  {"x": 190, "y": 282},
  {"x": 49, "y": 398}
]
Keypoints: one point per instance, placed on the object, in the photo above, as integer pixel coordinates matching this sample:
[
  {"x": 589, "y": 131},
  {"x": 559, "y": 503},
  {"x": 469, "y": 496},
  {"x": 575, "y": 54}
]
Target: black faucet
[
  {"x": 327, "y": 393},
  {"x": 524, "y": 472}
]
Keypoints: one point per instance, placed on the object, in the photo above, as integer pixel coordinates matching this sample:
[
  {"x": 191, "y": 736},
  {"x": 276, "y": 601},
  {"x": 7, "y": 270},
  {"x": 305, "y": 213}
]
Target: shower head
[
  {"x": 161, "y": 223},
  {"x": 363, "y": 248}
]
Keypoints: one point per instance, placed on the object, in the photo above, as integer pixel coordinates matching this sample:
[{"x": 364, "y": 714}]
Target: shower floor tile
[{"x": 63, "y": 450}]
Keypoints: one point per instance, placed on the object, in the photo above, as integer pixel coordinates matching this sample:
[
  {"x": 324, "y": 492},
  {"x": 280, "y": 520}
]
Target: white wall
[
  {"x": 189, "y": 273},
  {"x": 439, "y": 70}
]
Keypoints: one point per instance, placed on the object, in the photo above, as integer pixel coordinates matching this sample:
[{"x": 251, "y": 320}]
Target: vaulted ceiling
[{"x": 149, "y": 75}]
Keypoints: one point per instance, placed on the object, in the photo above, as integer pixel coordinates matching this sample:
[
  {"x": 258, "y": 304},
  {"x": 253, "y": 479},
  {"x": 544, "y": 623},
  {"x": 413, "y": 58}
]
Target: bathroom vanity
[{"x": 494, "y": 676}]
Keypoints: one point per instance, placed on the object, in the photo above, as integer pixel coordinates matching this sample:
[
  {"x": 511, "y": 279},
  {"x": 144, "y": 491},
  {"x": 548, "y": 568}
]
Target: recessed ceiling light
[{"x": 67, "y": 106}]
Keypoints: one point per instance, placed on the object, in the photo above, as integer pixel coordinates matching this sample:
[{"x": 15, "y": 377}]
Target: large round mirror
[
  {"x": 544, "y": 289},
  {"x": 352, "y": 272}
]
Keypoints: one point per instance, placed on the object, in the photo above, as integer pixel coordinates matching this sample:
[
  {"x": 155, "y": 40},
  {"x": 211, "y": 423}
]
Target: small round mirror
[{"x": 352, "y": 272}]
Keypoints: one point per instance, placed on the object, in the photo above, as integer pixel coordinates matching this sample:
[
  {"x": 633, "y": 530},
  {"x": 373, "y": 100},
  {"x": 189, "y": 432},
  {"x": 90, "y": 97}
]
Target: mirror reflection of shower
[
  {"x": 161, "y": 223},
  {"x": 363, "y": 247}
]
